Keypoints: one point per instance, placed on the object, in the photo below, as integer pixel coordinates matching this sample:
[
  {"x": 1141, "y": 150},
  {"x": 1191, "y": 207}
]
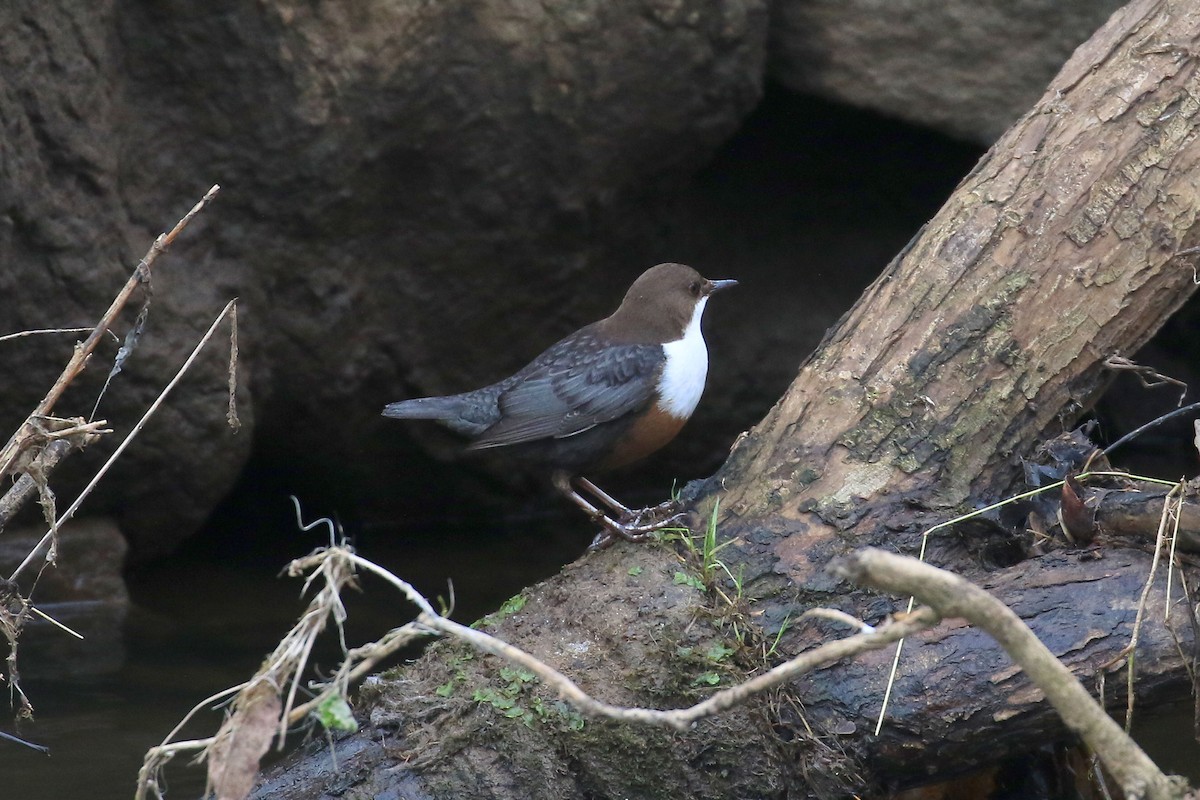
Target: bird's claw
[
  {"x": 632, "y": 529},
  {"x": 660, "y": 516}
]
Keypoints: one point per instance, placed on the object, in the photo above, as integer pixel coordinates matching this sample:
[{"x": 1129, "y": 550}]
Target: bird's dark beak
[{"x": 716, "y": 286}]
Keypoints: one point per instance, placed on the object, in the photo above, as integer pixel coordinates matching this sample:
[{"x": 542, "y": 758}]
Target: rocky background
[{"x": 420, "y": 196}]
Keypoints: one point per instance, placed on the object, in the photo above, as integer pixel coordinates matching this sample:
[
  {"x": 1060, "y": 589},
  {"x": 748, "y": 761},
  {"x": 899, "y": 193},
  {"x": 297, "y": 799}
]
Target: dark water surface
[{"x": 205, "y": 619}]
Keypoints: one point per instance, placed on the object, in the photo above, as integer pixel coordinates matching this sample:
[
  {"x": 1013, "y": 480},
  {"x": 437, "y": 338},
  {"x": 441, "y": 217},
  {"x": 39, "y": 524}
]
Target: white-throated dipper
[{"x": 609, "y": 394}]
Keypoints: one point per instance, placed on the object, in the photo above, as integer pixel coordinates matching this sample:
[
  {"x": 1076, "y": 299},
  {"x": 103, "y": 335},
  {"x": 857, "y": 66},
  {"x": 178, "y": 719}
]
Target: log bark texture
[{"x": 987, "y": 335}]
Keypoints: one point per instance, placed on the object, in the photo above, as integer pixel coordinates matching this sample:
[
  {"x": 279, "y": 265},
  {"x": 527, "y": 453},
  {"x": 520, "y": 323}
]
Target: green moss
[{"x": 509, "y": 607}]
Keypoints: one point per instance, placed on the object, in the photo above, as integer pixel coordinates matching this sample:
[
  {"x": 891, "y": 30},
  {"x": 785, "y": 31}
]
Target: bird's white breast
[{"x": 686, "y": 368}]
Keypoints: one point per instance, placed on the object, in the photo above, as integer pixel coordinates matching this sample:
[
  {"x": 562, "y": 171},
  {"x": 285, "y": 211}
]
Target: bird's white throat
[{"x": 686, "y": 368}]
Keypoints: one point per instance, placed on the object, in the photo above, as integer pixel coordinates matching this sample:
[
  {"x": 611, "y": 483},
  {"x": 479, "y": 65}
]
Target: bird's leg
[
  {"x": 623, "y": 511},
  {"x": 625, "y": 514},
  {"x": 629, "y": 529}
]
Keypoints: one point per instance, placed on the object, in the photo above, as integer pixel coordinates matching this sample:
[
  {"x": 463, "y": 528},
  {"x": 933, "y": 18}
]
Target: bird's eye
[{"x": 695, "y": 288}]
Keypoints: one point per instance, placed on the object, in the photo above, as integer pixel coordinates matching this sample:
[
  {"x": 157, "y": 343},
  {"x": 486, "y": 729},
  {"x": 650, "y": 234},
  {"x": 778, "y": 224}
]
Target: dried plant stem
[
  {"x": 10, "y": 451},
  {"x": 43, "y": 331},
  {"x": 141, "y": 423},
  {"x": 680, "y": 719},
  {"x": 953, "y": 596},
  {"x": 1131, "y": 648}
]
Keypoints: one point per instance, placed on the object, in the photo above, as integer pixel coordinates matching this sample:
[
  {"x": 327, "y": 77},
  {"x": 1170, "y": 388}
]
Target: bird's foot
[
  {"x": 662, "y": 515},
  {"x": 632, "y": 530},
  {"x": 630, "y": 524}
]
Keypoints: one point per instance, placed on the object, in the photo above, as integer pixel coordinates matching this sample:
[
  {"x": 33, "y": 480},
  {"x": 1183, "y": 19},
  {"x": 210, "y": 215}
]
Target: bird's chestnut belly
[{"x": 647, "y": 433}]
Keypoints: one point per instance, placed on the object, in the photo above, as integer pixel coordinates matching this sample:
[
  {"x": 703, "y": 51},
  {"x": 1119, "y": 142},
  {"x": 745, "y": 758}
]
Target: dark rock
[
  {"x": 396, "y": 179},
  {"x": 966, "y": 68},
  {"x": 84, "y": 590}
]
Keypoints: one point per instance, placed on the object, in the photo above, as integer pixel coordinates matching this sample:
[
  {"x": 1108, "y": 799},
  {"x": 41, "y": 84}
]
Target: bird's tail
[
  {"x": 469, "y": 413},
  {"x": 441, "y": 408}
]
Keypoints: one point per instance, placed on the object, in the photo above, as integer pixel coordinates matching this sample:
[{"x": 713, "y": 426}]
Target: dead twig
[
  {"x": 42, "y": 332},
  {"x": 141, "y": 423},
  {"x": 231, "y": 765},
  {"x": 1154, "y": 423},
  {"x": 1150, "y": 377},
  {"x": 952, "y": 596},
  {"x": 10, "y": 451}
]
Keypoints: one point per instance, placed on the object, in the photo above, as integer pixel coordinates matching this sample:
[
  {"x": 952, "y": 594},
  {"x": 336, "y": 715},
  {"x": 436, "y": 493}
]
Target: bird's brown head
[{"x": 661, "y": 303}]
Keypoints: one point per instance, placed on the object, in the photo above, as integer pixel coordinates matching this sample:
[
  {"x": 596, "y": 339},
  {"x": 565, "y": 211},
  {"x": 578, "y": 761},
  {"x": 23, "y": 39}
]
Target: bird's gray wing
[{"x": 573, "y": 387}]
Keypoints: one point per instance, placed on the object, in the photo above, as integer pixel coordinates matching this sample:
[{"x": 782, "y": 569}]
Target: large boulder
[
  {"x": 416, "y": 198},
  {"x": 966, "y": 68}
]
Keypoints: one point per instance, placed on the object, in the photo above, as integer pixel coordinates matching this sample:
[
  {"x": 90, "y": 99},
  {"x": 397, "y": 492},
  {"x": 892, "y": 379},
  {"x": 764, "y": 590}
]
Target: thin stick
[
  {"x": 12, "y": 448},
  {"x": 42, "y": 331},
  {"x": 1171, "y": 555},
  {"x": 1154, "y": 423},
  {"x": 340, "y": 562},
  {"x": 952, "y": 596},
  {"x": 680, "y": 719},
  {"x": 54, "y": 622},
  {"x": 141, "y": 423},
  {"x": 368, "y": 656},
  {"x": 848, "y": 620},
  {"x": 1141, "y": 609}
]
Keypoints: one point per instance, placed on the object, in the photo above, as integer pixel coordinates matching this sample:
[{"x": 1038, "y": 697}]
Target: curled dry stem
[
  {"x": 78, "y": 360},
  {"x": 232, "y": 768},
  {"x": 952, "y": 596}
]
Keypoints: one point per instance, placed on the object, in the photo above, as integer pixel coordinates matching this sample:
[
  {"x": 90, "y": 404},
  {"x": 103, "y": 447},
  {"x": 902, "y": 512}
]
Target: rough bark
[{"x": 986, "y": 336}]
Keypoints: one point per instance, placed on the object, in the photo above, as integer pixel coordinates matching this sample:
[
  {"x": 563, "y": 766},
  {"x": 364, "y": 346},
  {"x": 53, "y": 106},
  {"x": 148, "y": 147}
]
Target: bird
[{"x": 605, "y": 396}]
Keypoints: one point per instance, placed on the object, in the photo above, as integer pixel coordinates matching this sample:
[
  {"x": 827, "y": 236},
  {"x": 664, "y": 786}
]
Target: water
[{"x": 203, "y": 621}]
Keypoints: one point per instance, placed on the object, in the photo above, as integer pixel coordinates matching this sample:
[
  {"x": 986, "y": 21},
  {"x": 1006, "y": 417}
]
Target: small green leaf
[
  {"x": 514, "y": 712},
  {"x": 516, "y": 674},
  {"x": 635, "y": 571},
  {"x": 707, "y": 678},
  {"x": 717, "y": 652},
  {"x": 682, "y": 578},
  {"x": 488, "y": 695},
  {"x": 445, "y": 690},
  {"x": 334, "y": 713},
  {"x": 512, "y": 605}
]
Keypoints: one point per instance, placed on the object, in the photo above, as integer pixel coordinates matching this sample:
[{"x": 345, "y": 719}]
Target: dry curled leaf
[
  {"x": 242, "y": 742},
  {"x": 1077, "y": 520}
]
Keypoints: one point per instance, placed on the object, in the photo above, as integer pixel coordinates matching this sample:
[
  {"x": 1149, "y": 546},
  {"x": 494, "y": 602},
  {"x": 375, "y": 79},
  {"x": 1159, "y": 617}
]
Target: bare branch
[
  {"x": 158, "y": 401},
  {"x": 337, "y": 563},
  {"x": 11, "y": 449},
  {"x": 953, "y": 596}
]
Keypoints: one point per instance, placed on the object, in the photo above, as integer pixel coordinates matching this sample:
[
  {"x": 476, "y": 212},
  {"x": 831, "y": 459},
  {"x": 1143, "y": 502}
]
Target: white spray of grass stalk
[{"x": 887, "y": 692}]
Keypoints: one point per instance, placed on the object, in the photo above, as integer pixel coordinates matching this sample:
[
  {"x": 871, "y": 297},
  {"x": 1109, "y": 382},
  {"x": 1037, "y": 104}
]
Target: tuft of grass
[
  {"x": 787, "y": 621},
  {"x": 704, "y": 549}
]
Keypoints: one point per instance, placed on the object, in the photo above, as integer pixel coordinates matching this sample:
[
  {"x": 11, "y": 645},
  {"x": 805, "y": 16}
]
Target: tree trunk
[{"x": 986, "y": 336}]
